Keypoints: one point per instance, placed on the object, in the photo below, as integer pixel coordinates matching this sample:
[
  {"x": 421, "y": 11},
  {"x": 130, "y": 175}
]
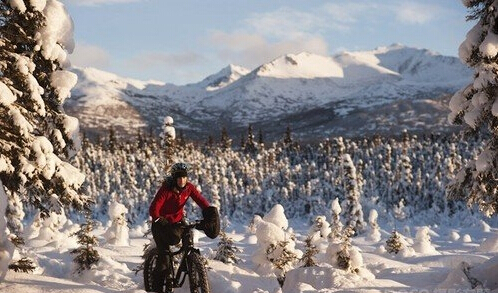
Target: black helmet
[{"x": 179, "y": 170}]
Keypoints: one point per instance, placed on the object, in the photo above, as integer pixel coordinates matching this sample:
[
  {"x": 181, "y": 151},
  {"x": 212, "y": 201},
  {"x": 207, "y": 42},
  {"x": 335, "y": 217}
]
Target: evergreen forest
[{"x": 399, "y": 177}]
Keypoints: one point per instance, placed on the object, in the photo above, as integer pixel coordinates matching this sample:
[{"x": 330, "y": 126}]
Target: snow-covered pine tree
[
  {"x": 227, "y": 251},
  {"x": 308, "y": 258},
  {"x": 85, "y": 256},
  {"x": 6, "y": 246},
  {"x": 36, "y": 137},
  {"x": 353, "y": 212},
  {"x": 336, "y": 224},
  {"x": 394, "y": 244},
  {"x": 287, "y": 140},
  {"x": 343, "y": 255},
  {"x": 476, "y": 105},
  {"x": 225, "y": 140},
  {"x": 374, "y": 231},
  {"x": 117, "y": 233},
  {"x": 320, "y": 228},
  {"x": 168, "y": 136},
  {"x": 282, "y": 257},
  {"x": 250, "y": 146}
]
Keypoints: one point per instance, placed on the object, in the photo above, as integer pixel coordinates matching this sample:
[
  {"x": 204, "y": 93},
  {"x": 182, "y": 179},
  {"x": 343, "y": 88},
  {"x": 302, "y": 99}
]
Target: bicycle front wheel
[
  {"x": 149, "y": 266},
  {"x": 197, "y": 274}
]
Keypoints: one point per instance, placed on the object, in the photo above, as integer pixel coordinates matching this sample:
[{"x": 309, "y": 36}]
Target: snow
[
  {"x": 489, "y": 47},
  {"x": 302, "y": 65},
  {"x": 437, "y": 263},
  {"x": 17, "y": 4},
  {"x": 63, "y": 81},
  {"x": 223, "y": 78},
  {"x": 169, "y": 132},
  {"x": 6, "y": 247},
  {"x": 437, "y": 258},
  {"x": 56, "y": 37},
  {"x": 6, "y": 95}
]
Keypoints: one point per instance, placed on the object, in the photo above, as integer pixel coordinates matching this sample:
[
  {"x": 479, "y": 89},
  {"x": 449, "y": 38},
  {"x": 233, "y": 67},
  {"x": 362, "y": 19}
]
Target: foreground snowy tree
[
  {"x": 227, "y": 251},
  {"x": 276, "y": 252},
  {"x": 353, "y": 212},
  {"x": 343, "y": 254},
  {"x": 118, "y": 231},
  {"x": 336, "y": 224},
  {"x": 394, "y": 244},
  {"x": 477, "y": 106},
  {"x": 85, "y": 256},
  {"x": 373, "y": 231},
  {"x": 6, "y": 246},
  {"x": 36, "y": 137}
]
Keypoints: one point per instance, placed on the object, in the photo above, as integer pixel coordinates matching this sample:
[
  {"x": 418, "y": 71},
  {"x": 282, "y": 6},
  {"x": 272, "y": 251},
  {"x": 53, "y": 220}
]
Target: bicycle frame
[
  {"x": 190, "y": 264},
  {"x": 178, "y": 277}
]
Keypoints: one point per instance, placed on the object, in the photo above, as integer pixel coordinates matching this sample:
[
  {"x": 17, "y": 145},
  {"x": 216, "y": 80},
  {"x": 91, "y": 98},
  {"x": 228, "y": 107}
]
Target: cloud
[
  {"x": 97, "y": 2},
  {"x": 251, "y": 50},
  {"x": 85, "y": 55},
  {"x": 416, "y": 13},
  {"x": 263, "y": 37},
  {"x": 180, "y": 68},
  {"x": 160, "y": 59},
  {"x": 285, "y": 23},
  {"x": 343, "y": 16}
]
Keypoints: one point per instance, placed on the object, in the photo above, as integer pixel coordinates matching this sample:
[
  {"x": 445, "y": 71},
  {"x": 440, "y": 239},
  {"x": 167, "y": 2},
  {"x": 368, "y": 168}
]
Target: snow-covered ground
[{"x": 433, "y": 261}]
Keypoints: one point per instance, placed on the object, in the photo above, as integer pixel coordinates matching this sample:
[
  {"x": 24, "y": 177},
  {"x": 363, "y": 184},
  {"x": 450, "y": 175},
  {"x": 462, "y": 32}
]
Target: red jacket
[{"x": 169, "y": 204}]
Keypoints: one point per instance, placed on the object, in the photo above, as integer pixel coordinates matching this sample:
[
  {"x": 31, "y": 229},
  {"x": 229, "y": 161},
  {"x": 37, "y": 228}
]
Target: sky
[{"x": 185, "y": 41}]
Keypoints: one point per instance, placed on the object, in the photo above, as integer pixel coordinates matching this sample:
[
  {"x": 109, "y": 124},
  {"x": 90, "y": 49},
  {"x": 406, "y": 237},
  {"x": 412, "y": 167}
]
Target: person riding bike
[{"x": 166, "y": 211}]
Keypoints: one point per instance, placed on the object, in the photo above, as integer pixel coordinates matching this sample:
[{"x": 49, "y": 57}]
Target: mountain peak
[
  {"x": 223, "y": 77},
  {"x": 302, "y": 65}
]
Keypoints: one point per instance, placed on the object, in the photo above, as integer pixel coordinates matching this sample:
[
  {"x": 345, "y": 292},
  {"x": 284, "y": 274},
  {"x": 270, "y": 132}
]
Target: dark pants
[{"x": 164, "y": 236}]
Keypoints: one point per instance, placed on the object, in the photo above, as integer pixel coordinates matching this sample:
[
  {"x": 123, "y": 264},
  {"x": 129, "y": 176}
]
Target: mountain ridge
[{"x": 281, "y": 93}]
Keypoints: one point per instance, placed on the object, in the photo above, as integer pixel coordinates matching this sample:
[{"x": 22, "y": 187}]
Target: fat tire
[
  {"x": 197, "y": 274},
  {"x": 149, "y": 266}
]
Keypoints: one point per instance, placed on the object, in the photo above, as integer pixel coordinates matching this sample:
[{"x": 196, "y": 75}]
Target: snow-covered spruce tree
[
  {"x": 276, "y": 253},
  {"x": 373, "y": 231},
  {"x": 168, "y": 140},
  {"x": 336, "y": 225},
  {"x": 250, "y": 146},
  {"x": 320, "y": 228},
  {"x": 86, "y": 255},
  {"x": 117, "y": 233},
  {"x": 308, "y": 258},
  {"x": 394, "y": 244},
  {"x": 477, "y": 106},
  {"x": 343, "y": 255},
  {"x": 225, "y": 140},
  {"x": 36, "y": 137},
  {"x": 227, "y": 251},
  {"x": 6, "y": 246},
  {"x": 282, "y": 257},
  {"x": 353, "y": 212}
]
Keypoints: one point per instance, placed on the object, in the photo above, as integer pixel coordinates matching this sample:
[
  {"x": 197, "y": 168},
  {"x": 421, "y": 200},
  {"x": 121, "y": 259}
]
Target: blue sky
[{"x": 185, "y": 41}]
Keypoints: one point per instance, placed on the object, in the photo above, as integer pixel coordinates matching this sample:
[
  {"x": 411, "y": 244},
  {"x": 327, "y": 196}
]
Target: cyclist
[{"x": 167, "y": 213}]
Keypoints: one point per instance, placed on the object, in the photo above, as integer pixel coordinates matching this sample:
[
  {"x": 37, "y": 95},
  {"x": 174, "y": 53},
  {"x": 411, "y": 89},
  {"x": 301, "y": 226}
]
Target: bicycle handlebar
[{"x": 197, "y": 224}]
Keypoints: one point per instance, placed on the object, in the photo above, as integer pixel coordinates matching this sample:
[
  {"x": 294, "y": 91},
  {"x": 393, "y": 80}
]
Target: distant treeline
[{"x": 398, "y": 177}]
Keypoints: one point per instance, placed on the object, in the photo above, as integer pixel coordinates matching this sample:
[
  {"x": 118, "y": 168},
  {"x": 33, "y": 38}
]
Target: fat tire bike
[{"x": 190, "y": 263}]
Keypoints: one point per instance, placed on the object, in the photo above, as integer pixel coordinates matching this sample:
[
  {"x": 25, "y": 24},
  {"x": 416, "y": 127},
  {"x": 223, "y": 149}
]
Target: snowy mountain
[
  {"x": 223, "y": 78},
  {"x": 384, "y": 90}
]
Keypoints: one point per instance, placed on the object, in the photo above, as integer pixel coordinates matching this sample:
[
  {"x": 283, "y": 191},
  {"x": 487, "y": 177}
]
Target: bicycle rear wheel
[{"x": 197, "y": 274}]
